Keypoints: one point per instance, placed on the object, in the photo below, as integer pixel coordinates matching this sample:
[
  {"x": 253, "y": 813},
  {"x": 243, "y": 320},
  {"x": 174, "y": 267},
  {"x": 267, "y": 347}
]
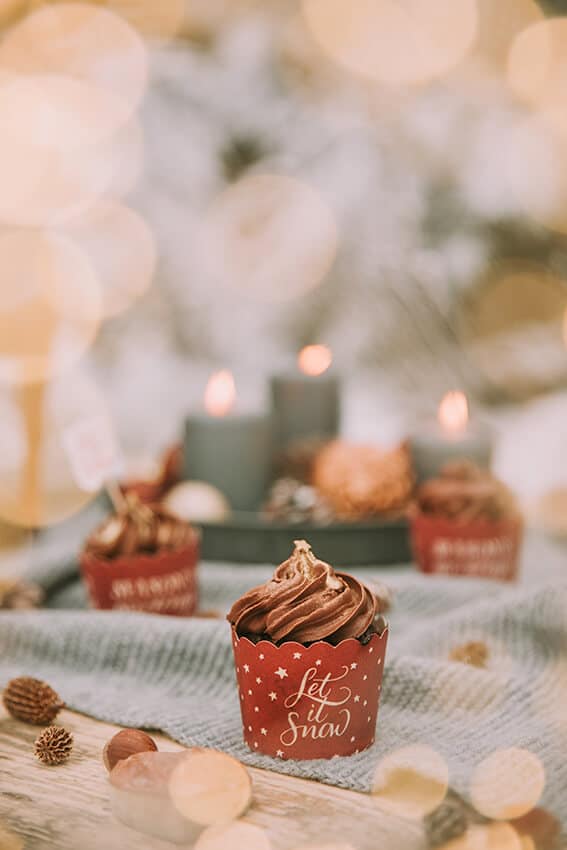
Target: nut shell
[
  {"x": 32, "y": 701},
  {"x": 124, "y": 744}
]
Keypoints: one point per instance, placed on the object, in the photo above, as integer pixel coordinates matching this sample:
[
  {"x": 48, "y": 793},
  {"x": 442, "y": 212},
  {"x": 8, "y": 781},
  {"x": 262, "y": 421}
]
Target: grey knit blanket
[{"x": 177, "y": 675}]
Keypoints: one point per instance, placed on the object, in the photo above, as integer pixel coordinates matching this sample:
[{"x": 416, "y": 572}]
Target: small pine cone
[
  {"x": 474, "y": 653},
  {"x": 448, "y": 822},
  {"x": 32, "y": 701},
  {"x": 54, "y": 745}
]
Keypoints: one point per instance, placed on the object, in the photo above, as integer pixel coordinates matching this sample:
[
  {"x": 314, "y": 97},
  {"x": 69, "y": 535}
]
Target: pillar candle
[
  {"x": 452, "y": 437},
  {"x": 306, "y": 402},
  {"x": 231, "y": 451}
]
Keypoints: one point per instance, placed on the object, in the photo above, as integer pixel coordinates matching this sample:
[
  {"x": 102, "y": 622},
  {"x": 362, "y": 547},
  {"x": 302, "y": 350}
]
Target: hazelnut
[{"x": 126, "y": 743}]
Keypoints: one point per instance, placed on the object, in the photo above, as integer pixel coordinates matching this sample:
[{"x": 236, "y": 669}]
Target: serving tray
[{"x": 246, "y": 538}]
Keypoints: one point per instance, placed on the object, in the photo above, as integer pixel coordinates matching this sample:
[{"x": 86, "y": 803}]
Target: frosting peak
[{"x": 305, "y": 601}]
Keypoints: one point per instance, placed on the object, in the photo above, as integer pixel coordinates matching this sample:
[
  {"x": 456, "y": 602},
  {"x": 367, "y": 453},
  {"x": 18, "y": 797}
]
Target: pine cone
[
  {"x": 474, "y": 653},
  {"x": 54, "y": 745},
  {"x": 32, "y": 701},
  {"x": 19, "y": 594}
]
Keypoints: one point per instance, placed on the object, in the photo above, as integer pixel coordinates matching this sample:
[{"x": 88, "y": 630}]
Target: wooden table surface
[{"x": 67, "y": 807}]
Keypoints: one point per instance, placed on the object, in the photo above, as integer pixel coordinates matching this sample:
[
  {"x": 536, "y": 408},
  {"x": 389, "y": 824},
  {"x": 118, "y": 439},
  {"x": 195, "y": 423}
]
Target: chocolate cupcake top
[
  {"x": 465, "y": 492},
  {"x": 306, "y": 601},
  {"x": 139, "y": 529}
]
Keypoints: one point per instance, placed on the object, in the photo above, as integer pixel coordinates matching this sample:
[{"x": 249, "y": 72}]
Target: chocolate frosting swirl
[
  {"x": 305, "y": 601},
  {"x": 465, "y": 492},
  {"x": 137, "y": 529}
]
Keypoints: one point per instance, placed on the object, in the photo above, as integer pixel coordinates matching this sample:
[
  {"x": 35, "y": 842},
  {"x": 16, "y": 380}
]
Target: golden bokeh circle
[
  {"x": 411, "y": 782},
  {"x": 43, "y": 332},
  {"x": 209, "y": 787},
  {"x": 391, "y": 42},
  {"x": 493, "y": 836},
  {"x": 236, "y": 836},
  {"x": 81, "y": 41},
  {"x": 508, "y": 784},
  {"x": 326, "y": 846},
  {"x": 499, "y": 23},
  {"x": 37, "y": 483},
  {"x": 272, "y": 237},
  {"x": 537, "y": 68},
  {"x": 122, "y": 250},
  {"x": 53, "y": 166},
  {"x": 515, "y": 299}
]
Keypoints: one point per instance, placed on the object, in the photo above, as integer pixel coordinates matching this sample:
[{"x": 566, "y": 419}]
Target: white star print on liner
[
  {"x": 297, "y": 654},
  {"x": 273, "y": 696},
  {"x": 258, "y": 680},
  {"x": 279, "y": 754},
  {"x": 261, "y": 656},
  {"x": 263, "y": 731},
  {"x": 357, "y": 698},
  {"x": 281, "y": 672},
  {"x": 318, "y": 662},
  {"x": 354, "y": 665},
  {"x": 246, "y": 668}
]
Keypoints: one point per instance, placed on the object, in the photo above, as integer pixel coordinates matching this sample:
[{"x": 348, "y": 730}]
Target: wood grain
[{"x": 67, "y": 807}]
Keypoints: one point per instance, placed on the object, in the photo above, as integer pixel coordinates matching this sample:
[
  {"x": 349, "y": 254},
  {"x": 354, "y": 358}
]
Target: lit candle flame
[
  {"x": 220, "y": 393},
  {"x": 454, "y": 412},
  {"x": 315, "y": 359}
]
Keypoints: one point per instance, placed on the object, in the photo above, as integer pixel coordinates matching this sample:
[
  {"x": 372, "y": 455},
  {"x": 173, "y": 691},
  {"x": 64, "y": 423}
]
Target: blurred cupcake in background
[
  {"x": 466, "y": 522},
  {"x": 142, "y": 559}
]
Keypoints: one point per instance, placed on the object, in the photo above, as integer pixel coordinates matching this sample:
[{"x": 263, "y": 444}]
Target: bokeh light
[
  {"x": 326, "y": 846},
  {"x": 493, "y": 836},
  {"x": 121, "y": 249},
  {"x": 84, "y": 42},
  {"x": 499, "y": 23},
  {"x": 516, "y": 306},
  {"x": 391, "y": 42},
  {"x": 57, "y": 311},
  {"x": 54, "y": 165},
  {"x": 210, "y": 788},
  {"x": 537, "y": 68},
  {"x": 161, "y": 20},
  {"x": 37, "y": 486},
  {"x": 411, "y": 782},
  {"x": 272, "y": 237},
  {"x": 237, "y": 836},
  {"x": 507, "y": 784}
]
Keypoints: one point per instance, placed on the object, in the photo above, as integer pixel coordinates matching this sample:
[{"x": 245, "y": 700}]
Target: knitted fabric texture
[{"x": 177, "y": 675}]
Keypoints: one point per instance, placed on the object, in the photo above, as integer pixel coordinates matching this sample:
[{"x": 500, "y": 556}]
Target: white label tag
[{"x": 93, "y": 452}]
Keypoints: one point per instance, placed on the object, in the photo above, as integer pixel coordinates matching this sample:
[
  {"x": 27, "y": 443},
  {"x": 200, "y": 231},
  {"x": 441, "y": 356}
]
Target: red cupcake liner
[
  {"x": 314, "y": 702},
  {"x": 164, "y": 583},
  {"x": 482, "y": 549}
]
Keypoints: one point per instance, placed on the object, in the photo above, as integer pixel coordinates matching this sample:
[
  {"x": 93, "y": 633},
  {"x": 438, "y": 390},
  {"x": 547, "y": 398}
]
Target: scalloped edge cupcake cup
[
  {"x": 309, "y": 702},
  {"x": 162, "y": 583}
]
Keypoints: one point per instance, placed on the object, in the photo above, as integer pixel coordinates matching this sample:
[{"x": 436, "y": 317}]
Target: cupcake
[
  {"x": 309, "y": 648},
  {"x": 142, "y": 559},
  {"x": 466, "y": 522}
]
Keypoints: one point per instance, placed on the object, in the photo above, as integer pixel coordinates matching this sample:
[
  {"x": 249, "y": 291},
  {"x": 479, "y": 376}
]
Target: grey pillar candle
[
  {"x": 233, "y": 452},
  {"x": 306, "y": 403},
  {"x": 452, "y": 437}
]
